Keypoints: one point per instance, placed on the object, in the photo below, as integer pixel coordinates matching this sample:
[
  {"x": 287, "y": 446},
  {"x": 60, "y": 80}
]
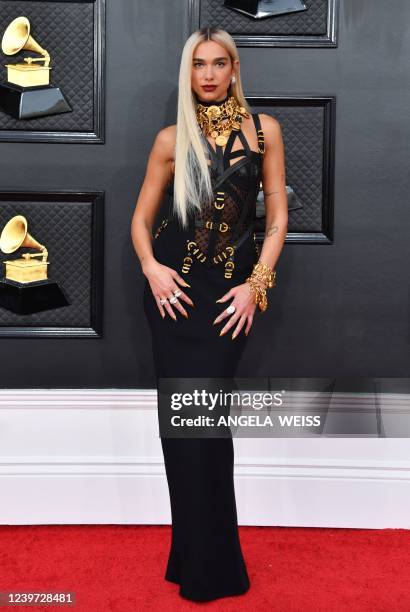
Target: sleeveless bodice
[
  {"x": 223, "y": 224},
  {"x": 236, "y": 187}
]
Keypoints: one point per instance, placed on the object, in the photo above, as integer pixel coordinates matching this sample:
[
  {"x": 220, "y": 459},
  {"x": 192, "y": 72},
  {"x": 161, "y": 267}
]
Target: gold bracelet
[
  {"x": 263, "y": 273},
  {"x": 259, "y": 295}
]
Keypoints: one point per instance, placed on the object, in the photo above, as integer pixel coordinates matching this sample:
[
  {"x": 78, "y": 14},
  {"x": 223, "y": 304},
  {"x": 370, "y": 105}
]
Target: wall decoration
[
  {"x": 27, "y": 92},
  {"x": 25, "y": 288},
  {"x": 259, "y": 9},
  {"x": 52, "y": 90},
  {"x": 270, "y": 23},
  {"x": 308, "y": 131},
  {"x": 51, "y": 279}
]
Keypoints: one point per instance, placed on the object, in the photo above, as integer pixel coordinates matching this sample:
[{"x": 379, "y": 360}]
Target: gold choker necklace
[{"x": 211, "y": 117}]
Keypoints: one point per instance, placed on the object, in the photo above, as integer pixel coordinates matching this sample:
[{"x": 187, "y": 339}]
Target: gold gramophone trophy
[
  {"x": 25, "y": 288},
  {"x": 27, "y": 92}
]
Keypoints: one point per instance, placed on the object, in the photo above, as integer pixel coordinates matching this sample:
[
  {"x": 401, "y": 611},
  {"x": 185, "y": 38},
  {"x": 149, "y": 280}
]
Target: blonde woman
[{"x": 206, "y": 277}]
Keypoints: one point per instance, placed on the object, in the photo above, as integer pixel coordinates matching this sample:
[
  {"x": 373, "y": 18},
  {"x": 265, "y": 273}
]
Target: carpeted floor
[{"x": 121, "y": 568}]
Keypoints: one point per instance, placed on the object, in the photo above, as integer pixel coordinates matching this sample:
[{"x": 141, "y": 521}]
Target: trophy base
[
  {"x": 260, "y": 9},
  {"x": 28, "y": 298},
  {"x": 28, "y": 102}
]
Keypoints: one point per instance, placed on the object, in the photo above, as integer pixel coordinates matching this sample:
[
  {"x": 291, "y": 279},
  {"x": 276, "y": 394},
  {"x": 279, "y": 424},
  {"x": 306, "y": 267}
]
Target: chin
[{"x": 212, "y": 95}]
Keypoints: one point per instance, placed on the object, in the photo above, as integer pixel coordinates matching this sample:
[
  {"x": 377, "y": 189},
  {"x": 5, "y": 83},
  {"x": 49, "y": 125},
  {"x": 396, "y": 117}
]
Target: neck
[{"x": 211, "y": 102}]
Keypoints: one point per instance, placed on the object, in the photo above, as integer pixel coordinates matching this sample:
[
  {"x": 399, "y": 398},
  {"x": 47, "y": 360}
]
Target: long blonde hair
[{"x": 192, "y": 181}]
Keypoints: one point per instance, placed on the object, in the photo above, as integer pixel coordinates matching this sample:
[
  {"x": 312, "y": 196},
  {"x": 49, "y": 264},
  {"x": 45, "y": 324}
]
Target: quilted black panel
[
  {"x": 302, "y": 132},
  {"x": 66, "y": 30},
  {"x": 311, "y": 22},
  {"x": 65, "y": 228}
]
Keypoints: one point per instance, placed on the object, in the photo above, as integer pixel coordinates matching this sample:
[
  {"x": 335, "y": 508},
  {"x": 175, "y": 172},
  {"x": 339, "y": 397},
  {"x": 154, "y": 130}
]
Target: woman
[{"x": 203, "y": 264}]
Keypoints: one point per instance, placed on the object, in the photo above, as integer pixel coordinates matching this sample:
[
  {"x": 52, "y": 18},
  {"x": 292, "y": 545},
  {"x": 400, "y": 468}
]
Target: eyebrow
[{"x": 201, "y": 59}]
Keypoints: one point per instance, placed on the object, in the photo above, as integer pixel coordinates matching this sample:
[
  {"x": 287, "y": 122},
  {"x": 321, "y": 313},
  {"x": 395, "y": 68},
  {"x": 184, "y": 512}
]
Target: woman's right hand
[{"x": 163, "y": 282}]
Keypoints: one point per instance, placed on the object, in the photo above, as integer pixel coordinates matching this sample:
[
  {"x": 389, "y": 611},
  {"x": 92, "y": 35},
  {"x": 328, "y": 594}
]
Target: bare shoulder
[
  {"x": 167, "y": 136},
  {"x": 271, "y": 128},
  {"x": 165, "y": 141},
  {"x": 169, "y": 132},
  {"x": 272, "y": 131}
]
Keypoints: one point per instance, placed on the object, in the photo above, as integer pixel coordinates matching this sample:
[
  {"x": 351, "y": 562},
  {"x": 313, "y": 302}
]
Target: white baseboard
[{"x": 79, "y": 456}]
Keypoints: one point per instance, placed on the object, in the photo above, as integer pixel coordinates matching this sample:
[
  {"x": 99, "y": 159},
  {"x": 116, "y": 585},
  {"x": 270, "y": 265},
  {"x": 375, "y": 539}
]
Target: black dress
[{"x": 205, "y": 556}]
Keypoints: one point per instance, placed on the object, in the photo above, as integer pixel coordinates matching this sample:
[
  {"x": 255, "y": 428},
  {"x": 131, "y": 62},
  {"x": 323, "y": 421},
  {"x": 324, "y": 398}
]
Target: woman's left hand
[{"x": 244, "y": 304}]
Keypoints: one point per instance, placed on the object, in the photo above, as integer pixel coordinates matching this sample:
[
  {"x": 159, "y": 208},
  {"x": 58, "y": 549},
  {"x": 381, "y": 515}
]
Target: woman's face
[{"x": 212, "y": 70}]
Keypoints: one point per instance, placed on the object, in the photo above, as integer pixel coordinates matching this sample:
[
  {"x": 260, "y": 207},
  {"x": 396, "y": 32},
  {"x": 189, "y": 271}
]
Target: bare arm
[
  {"x": 274, "y": 188},
  {"x": 276, "y": 206},
  {"x": 157, "y": 176},
  {"x": 162, "y": 279}
]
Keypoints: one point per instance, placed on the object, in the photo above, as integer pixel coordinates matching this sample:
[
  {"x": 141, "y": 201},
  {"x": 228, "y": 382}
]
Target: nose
[{"x": 209, "y": 73}]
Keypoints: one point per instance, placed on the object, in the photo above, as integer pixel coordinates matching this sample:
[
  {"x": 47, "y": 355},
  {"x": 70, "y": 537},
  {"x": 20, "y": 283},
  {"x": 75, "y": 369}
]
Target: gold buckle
[
  {"x": 261, "y": 141},
  {"x": 223, "y": 227},
  {"x": 220, "y": 200}
]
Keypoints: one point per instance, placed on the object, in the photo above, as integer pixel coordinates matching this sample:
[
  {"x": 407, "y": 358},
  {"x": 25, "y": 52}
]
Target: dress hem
[{"x": 218, "y": 595}]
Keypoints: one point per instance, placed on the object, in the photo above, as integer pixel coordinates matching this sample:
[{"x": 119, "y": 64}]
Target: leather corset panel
[
  {"x": 233, "y": 209},
  {"x": 235, "y": 186}
]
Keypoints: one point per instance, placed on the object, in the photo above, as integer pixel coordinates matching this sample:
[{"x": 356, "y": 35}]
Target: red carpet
[{"x": 120, "y": 568}]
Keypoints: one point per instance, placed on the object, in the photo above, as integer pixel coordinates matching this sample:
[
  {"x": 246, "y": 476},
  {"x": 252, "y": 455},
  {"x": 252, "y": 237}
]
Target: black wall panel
[{"x": 339, "y": 309}]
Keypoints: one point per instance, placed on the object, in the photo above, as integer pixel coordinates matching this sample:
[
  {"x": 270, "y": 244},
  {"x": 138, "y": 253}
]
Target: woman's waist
[{"x": 225, "y": 228}]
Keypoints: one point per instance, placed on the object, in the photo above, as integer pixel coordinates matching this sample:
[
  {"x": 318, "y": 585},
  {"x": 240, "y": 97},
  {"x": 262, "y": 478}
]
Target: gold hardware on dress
[
  {"x": 229, "y": 266},
  {"x": 187, "y": 261},
  {"x": 162, "y": 225},
  {"x": 196, "y": 251},
  {"x": 223, "y": 227},
  {"x": 220, "y": 198},
  {"x": 186, "y": 264},
  {"x": 257, "y": 250},
  {"x": 227, "y": 252},
  {"x": 261, "y": 141}
]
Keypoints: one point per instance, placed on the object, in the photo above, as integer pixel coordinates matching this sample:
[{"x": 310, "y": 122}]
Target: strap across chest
[
  {"x": 220, "y": 157},
  {"x": 220, "y": 163}
]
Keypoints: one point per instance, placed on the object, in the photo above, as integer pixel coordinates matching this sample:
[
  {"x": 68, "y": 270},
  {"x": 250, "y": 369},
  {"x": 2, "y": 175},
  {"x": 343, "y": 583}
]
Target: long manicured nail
[
  {"x": 222, "y": 332},
  {"x": 218, "y": 300},
  {"x": 234, "y": 336},
  {"x": 187, "y": 284}
]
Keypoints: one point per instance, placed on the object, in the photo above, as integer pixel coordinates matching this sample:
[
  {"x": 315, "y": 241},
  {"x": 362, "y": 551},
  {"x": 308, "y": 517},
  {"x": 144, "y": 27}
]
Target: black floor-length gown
[{"x": 205, "y": 556}]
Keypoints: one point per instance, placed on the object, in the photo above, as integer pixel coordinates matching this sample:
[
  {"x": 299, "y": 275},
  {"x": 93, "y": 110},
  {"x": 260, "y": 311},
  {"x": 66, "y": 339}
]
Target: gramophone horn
[
  {"x": 15, "y": 235},
  {"x": 17, "y": 38}
]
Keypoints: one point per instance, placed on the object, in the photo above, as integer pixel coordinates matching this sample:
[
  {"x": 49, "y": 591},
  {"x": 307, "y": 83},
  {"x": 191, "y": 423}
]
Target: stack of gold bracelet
[{"x": 261, "y": 273}]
